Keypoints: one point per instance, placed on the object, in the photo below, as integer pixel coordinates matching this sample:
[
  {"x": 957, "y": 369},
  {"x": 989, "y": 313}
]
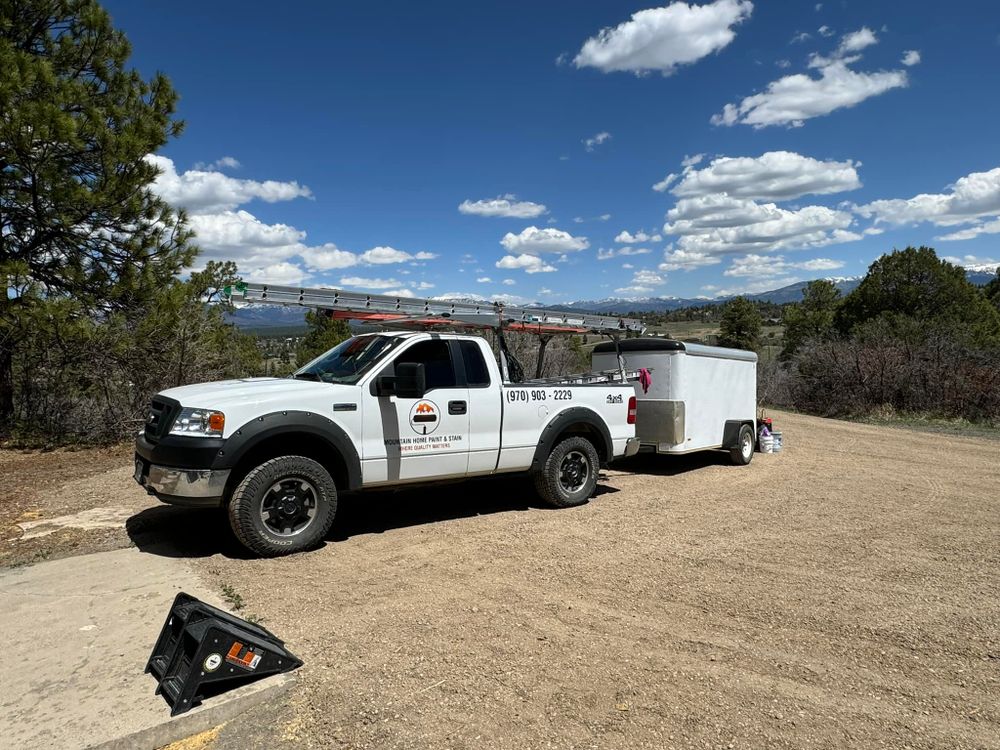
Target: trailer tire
[
  {"x": 742, "y": 453},
  {"x": 285, "y": 505},
  {"x": 569, "y": 475}
]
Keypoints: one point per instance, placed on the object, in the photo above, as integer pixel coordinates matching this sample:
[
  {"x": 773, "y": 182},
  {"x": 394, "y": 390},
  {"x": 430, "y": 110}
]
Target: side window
[
  {"x": 436, "y": 359},
  {"x": 476, "y": 372}
]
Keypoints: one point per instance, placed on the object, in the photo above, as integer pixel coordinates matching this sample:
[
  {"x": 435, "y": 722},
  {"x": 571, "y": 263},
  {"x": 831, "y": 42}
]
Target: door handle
[{"x": 457, "y": 407}]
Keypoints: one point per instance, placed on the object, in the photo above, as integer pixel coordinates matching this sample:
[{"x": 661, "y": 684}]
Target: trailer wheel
[
  {"x": 284, "y": 505},
  {"x": 569, "y": 475},
  {"x": 742, "y": 453}
]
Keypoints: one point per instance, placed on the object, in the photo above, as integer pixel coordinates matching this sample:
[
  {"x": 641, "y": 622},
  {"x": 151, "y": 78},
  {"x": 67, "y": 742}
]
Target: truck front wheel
[
  {"x": 569, "y": 475},
  {"x": 284, "y": 505}
]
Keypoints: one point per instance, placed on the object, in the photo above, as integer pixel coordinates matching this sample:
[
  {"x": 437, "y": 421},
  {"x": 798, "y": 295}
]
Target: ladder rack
[{"x": 422, "y": 314}]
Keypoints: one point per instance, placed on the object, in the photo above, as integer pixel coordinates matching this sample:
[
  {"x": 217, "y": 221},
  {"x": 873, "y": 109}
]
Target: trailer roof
[{"x": 670, "y": 345}]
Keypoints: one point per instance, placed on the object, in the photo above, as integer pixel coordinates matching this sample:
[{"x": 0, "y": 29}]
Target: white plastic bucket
[
  {"x": 766, "y": 444},
  {"x": 776, "y": 438}
]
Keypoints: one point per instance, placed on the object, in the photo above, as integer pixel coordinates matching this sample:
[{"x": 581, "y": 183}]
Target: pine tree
[
  {"x": 324, "y": 334},
  {"x": 77, "y": 216},
  {"x": 812, "y": 318},
  {"x": 740, "y": 325}
]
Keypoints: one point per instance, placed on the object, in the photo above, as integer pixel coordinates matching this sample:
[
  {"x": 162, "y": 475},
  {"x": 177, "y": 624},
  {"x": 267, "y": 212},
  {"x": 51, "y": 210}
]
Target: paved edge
[{"x": 213, "y": 712}]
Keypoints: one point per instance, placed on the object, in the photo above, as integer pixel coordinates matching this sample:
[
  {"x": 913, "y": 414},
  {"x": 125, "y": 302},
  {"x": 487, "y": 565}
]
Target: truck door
[
  {"x": 484, "y": 406},
  {"x": 409, "y": 439}
]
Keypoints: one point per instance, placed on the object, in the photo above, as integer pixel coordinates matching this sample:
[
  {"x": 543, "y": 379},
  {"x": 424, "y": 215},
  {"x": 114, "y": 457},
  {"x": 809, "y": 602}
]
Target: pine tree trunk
[{"x": 6, "y": 386}]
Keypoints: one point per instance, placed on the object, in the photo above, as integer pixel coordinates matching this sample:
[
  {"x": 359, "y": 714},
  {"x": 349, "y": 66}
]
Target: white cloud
[
  {"x": 666, "y": 182},
  {"x": 661, "y": 39},
  {"x": 989, "y": 227},
  {"x": 825, "y": 31},
  {"x": 783, "y": 64},
  {"x": 911, "y": 57},
  {"x": 237, "y": 231},
  {"x": 649, "y": 278},
  {"x": 793, "y": 99},
  {"x": 506, "y": 206},
  {"x": 969, "y": 201},
  {"x": 772, "y": 176},
  {"x": 369, "y": 283},
  {"x": 509, "y": 282},
  {"x": 277, "y": 273},
  {"x": 327, "y": 257},
  {"x": 626, "y": 237},
  {"x": 720, "y": 224},
  {"x": 384, "y": 255},
  {"x": 634, "y": 289},
  {"x": 581, "y": 219},
  {"x": 693, "y": 160},
  {"x": 595, "y": 140},
  {"x": 684, "y": 260},
  {"x": 484, "y": 280},
  {"x": 225, "y": 162},
  {"x": 761, "y": 266},
  {"x": 201, "y": 191},
  {"x": 526, "y": 263},
  {"x": 534, "y": 241},
  {"x": 858, "y": 40},
  {"x": 627, "y": 266},
  {"x": 800, "y": 37}
]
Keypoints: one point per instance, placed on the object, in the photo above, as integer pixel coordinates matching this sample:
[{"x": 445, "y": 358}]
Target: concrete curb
[{"x": 211, "y": 713}]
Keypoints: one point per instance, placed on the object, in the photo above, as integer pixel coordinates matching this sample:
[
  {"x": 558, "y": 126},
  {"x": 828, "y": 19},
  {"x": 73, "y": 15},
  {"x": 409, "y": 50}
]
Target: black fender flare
[
  {"x": 556, "y": 426},
  {"x": 288, "y": 422},
  {"x": 731, "y": 432}
]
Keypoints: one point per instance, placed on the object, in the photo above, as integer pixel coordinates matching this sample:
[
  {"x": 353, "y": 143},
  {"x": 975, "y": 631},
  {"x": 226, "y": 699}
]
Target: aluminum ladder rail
[{"x": 411, "y": 312}]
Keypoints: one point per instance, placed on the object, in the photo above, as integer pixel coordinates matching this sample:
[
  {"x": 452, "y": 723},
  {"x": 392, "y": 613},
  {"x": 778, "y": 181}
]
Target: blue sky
[{"x": 333, "y": 144}]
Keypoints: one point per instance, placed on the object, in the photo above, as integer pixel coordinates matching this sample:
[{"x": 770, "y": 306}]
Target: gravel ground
[{"x": 841, "y": 593}]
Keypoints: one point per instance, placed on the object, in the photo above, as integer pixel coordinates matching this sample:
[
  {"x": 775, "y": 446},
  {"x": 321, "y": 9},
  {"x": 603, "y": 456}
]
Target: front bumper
[{"x": 201, "y": 488}]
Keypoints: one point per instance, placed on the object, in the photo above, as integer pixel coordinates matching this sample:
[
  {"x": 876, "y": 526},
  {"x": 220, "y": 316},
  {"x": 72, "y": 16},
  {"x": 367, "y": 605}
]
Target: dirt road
[{"x": 841, "y": 593}]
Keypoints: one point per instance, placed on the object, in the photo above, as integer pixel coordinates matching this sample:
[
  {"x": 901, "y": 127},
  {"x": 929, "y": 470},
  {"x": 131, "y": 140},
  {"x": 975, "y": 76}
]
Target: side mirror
[{"x": 410, "y": 381}]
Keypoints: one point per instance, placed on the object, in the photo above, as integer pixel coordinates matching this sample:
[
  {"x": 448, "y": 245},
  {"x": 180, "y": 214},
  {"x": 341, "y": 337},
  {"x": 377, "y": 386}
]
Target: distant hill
[{"x": 264, "y": 317}]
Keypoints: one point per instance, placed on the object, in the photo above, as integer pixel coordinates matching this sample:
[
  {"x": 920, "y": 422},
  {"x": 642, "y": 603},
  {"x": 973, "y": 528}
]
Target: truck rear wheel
[
  {"x": 569, "y": 475},
  {"x": 742, "y": 453},
  {"x": 284, "y": 505}
]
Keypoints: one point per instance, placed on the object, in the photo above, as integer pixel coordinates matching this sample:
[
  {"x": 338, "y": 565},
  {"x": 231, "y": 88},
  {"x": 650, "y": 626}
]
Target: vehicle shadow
[
  {"x": 668, "y": 466},
  {"x": 188, "y": 532},
  {"x": 171, "y": 531}
]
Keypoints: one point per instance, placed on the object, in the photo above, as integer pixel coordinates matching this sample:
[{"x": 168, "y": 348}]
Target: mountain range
[{"x": 257, "y": 317}]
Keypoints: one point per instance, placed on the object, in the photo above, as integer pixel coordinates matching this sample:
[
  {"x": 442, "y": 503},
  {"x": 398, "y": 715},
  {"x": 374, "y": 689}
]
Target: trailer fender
[
  {"x": 562, "y": 423},
  {"x": 731, "y": 432}
]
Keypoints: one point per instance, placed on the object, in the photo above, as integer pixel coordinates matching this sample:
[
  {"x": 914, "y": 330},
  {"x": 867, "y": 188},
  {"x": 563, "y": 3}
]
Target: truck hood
[{"x": 259, "y": 392}]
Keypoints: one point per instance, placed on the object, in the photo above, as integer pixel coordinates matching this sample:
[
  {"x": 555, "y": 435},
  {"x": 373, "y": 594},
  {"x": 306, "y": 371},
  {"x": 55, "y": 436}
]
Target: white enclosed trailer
[{"x": 700, "y": 398}]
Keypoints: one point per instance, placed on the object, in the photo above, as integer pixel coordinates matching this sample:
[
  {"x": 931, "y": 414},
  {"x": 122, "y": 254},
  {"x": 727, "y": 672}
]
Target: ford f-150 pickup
[{"x": 379, "y": 410}]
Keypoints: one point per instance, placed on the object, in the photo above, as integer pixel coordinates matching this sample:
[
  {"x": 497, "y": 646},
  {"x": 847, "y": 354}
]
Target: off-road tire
[
  {"x": 739, "y": 454},
  {"x": 248, "y": 497},
  {"x": 548, "y": 479}
]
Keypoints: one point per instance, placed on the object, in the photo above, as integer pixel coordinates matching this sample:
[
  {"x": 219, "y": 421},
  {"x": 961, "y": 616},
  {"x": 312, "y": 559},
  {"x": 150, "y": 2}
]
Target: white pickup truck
[{"x": 378, "y": 411}]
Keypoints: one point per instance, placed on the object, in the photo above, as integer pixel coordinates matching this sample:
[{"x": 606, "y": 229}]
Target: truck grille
[{"x": 162, "y": 412}]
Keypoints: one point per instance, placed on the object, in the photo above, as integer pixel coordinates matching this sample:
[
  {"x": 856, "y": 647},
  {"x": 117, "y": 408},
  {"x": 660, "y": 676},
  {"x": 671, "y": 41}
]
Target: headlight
[{"x": 199, "y": 423}]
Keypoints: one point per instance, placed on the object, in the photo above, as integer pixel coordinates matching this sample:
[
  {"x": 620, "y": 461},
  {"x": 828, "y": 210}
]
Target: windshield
[{"x": 349, "y": 360}]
